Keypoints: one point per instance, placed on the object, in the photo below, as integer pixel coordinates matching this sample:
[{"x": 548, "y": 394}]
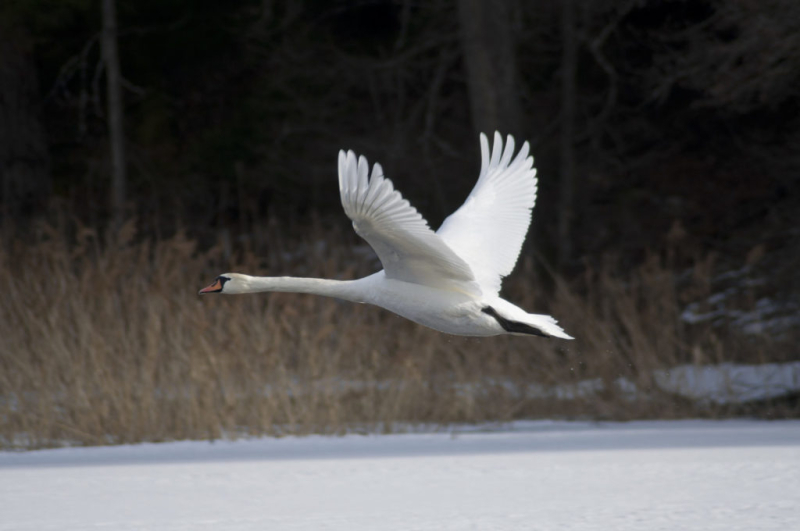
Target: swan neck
[{"x": 340, "y": 289}]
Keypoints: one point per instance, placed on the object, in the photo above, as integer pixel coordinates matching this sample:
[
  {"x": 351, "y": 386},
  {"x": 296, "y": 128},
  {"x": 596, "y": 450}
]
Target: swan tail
[{"x": 527, "y": 324}]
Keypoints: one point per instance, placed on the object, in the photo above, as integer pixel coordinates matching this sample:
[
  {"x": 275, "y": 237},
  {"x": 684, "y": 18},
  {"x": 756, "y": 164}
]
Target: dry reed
[{"x": 103, "y": 344}]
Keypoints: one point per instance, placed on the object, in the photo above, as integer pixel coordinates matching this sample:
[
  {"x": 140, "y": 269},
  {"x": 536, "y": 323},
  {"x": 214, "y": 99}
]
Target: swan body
[{"x": 447, "y": 280}]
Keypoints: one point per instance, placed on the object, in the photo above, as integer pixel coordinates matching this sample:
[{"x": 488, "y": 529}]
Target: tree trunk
[
  {"x": 24, "y": 158},
  {"x": 116, "y": 130},
  {"x": 569, "y": 65},
  {"x": 488, "y": 45}
]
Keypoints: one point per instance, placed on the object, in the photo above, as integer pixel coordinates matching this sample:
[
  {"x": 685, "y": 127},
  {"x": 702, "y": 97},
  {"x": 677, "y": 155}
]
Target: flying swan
[{"x": 447, "y": 280}]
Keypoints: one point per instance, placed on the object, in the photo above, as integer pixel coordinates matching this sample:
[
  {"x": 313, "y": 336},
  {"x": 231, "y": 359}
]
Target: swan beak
[{"x": 216, "y": 287}]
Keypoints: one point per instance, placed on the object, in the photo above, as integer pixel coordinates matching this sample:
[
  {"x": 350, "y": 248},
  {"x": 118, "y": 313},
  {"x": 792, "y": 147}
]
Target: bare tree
[
  {"x": 488, "y": 42},
  {"x": 569, "y": 66},
  {"x": 744, "y": 56},
  {"x": 24, "y": 160},
  {"x": 115, "y": 112}
]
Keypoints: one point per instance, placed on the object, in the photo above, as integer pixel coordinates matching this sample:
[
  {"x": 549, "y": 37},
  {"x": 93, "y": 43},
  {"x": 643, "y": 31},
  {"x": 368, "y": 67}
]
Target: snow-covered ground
[
  {"x": 688, "y": 475},
  {"x": 727, "y": 383},
  {"x": 723, "y": 383}
]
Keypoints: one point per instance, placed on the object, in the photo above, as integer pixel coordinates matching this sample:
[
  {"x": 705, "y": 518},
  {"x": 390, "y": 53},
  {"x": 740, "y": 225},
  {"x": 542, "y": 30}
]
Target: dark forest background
[{"x": 649, "y": 120}]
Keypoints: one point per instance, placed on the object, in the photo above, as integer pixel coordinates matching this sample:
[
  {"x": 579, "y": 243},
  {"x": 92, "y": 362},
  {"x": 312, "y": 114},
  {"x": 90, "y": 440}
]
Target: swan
[{"x": 448, "y": 280}]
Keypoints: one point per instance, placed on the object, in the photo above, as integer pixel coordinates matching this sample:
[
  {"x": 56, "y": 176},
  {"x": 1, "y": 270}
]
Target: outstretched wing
[
  {"x": 490, "y": 227},
  {"x": 408, "y": 249}
]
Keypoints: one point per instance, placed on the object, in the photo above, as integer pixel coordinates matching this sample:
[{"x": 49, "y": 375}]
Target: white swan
[{"x": 448, "y": 280}]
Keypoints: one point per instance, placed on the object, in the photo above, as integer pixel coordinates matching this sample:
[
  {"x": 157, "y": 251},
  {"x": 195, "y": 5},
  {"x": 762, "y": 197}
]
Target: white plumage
[
  {"x": 490, "y": 227},
  {"x": 448, "y": 280}
]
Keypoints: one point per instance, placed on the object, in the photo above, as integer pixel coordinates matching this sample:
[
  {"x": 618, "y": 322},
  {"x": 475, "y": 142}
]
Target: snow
[
  {"x": 732, "y": 305},
  {"x": 687, "y": 475},
  {"x": 727, "y": 383},
  {"x": 722, "y": 383}
]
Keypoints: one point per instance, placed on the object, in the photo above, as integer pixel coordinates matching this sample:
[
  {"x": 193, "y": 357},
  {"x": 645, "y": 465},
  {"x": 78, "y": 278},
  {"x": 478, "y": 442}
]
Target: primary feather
[
  {"x": 407, "y": 247},
  {"x": 490, "y": 227}
]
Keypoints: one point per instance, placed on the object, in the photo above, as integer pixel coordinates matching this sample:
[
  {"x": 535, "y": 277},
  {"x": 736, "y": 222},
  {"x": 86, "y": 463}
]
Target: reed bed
[{"x": 108, "y": 342}]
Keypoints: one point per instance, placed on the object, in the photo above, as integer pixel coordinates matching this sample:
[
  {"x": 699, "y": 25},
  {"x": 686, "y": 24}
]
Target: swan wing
[
  {"x": 490, "y": 227},
  {"x": 407, "y": 247}
]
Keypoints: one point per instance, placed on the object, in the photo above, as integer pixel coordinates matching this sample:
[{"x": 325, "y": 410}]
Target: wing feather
[
  {"x": 406, "y": 246},
  {"x": 490, "y": 227}
]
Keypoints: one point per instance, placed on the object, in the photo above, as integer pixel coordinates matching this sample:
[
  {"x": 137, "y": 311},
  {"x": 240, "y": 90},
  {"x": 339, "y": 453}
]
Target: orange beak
[{"x": 216, "y": 287}]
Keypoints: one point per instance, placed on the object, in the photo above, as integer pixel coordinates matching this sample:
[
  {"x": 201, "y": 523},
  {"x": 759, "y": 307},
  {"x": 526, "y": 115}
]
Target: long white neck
[{"x": 340, "y": 289}]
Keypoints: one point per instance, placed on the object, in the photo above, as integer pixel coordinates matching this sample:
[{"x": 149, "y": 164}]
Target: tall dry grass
[{"x": 109, "y": 343}]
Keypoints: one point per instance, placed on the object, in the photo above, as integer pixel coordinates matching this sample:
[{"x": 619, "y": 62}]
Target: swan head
[{"x": 227, "y": 283}]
